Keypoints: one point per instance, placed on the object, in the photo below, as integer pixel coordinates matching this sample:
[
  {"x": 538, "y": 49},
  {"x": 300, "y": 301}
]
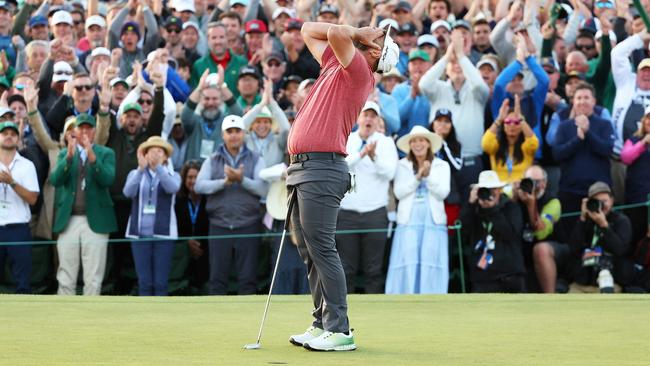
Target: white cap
[
  {"x": 116, "y": 81},
  {"x": 282, "y": 10},
  {"x": 487, "y": 61},
  {"x": 61, "y": 16},
  {"x": 303, "y": 84},
  {"x": 62, "y": 72},
  {"x": 99, "y": 51},
  {"x": 440, "y": 23},
  {"x": 372, "y": 106},
  {"x": 232, "y": 121},
  {"x": 489, "y": 179},
  {"x": 191, "y": 24},
  {"x": 389, "y": 54},
  {"x": 384, "y": 23},
  {"x": 95, "y": 20},
  {"x": 428, "y": 39},
  {"x": 612, "y": 35},
  {"x": 184, "y": 5}
]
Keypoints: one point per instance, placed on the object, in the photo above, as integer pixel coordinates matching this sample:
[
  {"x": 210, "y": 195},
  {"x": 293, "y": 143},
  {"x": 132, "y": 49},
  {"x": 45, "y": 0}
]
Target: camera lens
[
  {"x": 527, "y": 185},
  {"x": 594, "y": 205}
]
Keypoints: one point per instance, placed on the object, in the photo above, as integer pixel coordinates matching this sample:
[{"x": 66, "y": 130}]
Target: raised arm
[{"x": 341, "y": 38}]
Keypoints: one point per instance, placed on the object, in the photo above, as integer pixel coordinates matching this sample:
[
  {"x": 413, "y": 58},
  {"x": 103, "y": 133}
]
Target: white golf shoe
[
  {"x": 329, "y": 341},
  {"x": 311, "y": 333}
]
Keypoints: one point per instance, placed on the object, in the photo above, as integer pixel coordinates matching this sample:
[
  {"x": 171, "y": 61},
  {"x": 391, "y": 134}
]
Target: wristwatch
[{"x": 12, "y": 184}]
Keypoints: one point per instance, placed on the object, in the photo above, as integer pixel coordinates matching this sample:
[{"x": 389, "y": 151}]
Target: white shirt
[
  {"x": 13, "y": 209},
  {"x": 372, "y": 177}
]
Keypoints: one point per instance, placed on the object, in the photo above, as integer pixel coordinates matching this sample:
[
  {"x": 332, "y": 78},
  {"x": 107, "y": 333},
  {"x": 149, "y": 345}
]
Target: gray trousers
[
  {"x": 365, "y": 249},
  {"x": 319, "y": 186}
]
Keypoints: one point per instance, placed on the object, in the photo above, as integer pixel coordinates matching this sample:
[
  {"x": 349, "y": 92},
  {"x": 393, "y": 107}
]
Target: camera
[
  {"x": 605, "y": 279},
  {"x": 527, "y": 185},
  {"x": 594, "y": 205},
  {"x": 484, "y": 194}
]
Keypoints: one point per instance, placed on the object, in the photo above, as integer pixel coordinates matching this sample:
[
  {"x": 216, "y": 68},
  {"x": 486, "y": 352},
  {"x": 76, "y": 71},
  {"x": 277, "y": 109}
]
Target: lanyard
[
  {"x": 194, "y": 211},
  {"x": 208, "y": 130},
  {"x": 5, "y": 185},
  {"x": 363, "y": 143},
  {"x": 596, "y": 237}
]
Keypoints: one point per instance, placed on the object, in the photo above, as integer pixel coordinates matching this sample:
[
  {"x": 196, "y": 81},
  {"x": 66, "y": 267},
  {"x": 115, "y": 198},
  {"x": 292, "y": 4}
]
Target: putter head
[{"x": 252, "y": 346}]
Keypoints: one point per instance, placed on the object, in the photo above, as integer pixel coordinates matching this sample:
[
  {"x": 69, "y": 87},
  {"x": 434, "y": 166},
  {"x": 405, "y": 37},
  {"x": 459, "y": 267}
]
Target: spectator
[
  {"x": 411, "y": 101},
  {"x": 231, "y": 179},
  {"x": 493, "y": 225},
  {"x": 432, "y": 11},
  {"x": 152, "y": 189},
  {"x": 248, "y": 87},
  {"x": 268, "y": 128},
  {"x": 510, "y": 83},
  {"x": 463, "y": 27},
  {"x": 274, "y": 67},
  {"x": 18, "y": 177},
  {"x": 300, "y": 60},
  {"x": 119, "y": 91},
  {"x": 481, "y": 37},
  {"x": 82, "y": 178},
  {"x": 94, "y": 36},
  {"x": 541, "y": 212},
  {"x": 510, "y": 143},
  {"x": 390, "y": 80},
  {"x": 636, "y": 156},
  {"x": 35, "y": 54},
  {"x": 406, "y": 38},
  {"x": 255, "y": 32},
  {"x": 442, "y": 31},
  {"x": 419, "y": 259},
  {"x": 78, "y": 97},
  {"x": 38, "y": 26},
  {"x": 601, "y": 239},
  {"x": 202, "y": 130},
  {"x": 465, "y": 95},
  {"x": 232, "y": 21},
  {"x": 219, "y": 55},
  {"x": 173, "y": 27},
  {"x": 583, "y": 145},
  {"x": 328, "y": 14},
  {"x": 178, "y": 140},
  {"x": 372, "y": 158},
  {"x": 193, "y": 41},
  {"x": 443, "y": 126},
  {"x": 192, "y": 219},
  {"x": 429, "y": 44}
]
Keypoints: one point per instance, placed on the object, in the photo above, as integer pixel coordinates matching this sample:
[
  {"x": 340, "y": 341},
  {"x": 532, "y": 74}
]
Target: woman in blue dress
[{"x": 419, "y": 259}]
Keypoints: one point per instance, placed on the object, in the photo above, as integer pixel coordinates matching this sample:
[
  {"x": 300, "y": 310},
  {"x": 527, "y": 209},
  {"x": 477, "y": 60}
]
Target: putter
[{"x": 257, "y": 344}]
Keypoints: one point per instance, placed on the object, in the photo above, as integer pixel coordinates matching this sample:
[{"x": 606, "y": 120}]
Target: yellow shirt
[{"x": 490, "y": 145}]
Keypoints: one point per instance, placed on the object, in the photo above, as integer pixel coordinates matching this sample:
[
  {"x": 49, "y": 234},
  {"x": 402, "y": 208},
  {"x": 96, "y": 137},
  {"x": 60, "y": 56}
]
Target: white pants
[{"x": 77, "y": 242}]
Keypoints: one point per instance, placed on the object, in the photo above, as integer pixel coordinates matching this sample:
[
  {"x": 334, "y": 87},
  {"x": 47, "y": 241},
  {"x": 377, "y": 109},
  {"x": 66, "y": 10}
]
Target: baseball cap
[
  {"x": 256, "y": 26},
  {"x": 6, "y": 110},
  {"x": 407, "y": 28},
  {"x": 487, "y": 61},
  {"x": 191, "y": 24},
  {"x": 643, "y": 64},
  {"x": 131, "y": 27},
  {"x": 292, "y": 79},
  {"x": 232, "y": 121},
  {"x": 417, "y": 53},
  {"x": 575, "y": 74},
  {"x": 599, "y": 187},
  {"x": 461, "y": 24},
  {"x": 442, "y": 112},
  {"x": 99, "y": 51},
  {"x": 548, "y": 62},
  {"x": 37, "y": 20},
  {"x": 388, "y": 21},
  {"x": 8, "y": 124},
  {"x": 282, "y": 10},
  {"x": 119, "y": 81},
  {"x": 248, "y": 70},
  {"x": 62, "y": 71},
  {"x": 85, "y": 119},
  {"x": 327, "y": 8},
  {"x": 428, "y": 39},
  {"x": 372, "y": 106},
  {"x": 62, "y": 16},
  {"x": 6, "y": 5},
  {"x": 274, "y": 56},
  {"x": 403, "y": 6},
  {"x": 173, "y": 21},
  {"x": 389, "y": 53},
  {"x": 16, "y": 98},
  {"x": 132, "y": 107},
  {"x": 440, "y": 23},
  {"x": 95, "y": 20},
  {"x": 293, "y": 23},
  {"x": 238, "y": 2},
  {"x": 591, "y": 25},
  {"x": 184, "y": 5},
  {"x": 305, "y": 83}
]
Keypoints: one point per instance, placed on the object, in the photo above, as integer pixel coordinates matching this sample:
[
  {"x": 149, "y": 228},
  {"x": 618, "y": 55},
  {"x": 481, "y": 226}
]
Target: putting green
[{"x": 390, "y": 330}]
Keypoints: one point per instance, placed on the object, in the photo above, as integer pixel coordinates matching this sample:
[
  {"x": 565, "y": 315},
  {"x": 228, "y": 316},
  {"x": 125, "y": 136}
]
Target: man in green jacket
[
  {"x": 84, "y": 209},
  {"x": 219, "y": 55}
]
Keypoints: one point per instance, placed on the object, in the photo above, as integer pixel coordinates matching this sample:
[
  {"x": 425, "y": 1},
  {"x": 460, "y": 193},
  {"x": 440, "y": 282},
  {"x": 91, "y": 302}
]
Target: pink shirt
[{"x": 332, "y": 107}]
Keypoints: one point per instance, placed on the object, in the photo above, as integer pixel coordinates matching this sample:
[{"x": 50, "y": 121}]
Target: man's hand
[
  {"x": 267, "y": 93},
  {"x": 72, "y": 146},
  {"x": 156, "y": 76},
  {"x": 88, "y": 146},
  {"x": 473, "y": 195},
  {"x": 31, "y": 98},
  {"x": 552, "y": 99},
  {"x": 142, "y": 160},
  {"x": 458, "y": 44},
  {"x": 195, "y": 248},
  {"x": 116, "y": 55},
  {"x": 548, "y": 31},
  {"x": 515, "y": 13},
  {"x": 525, "y": 197},
  {"x": 367, "y": 35},
  {"x": 415, "y": 85},
  {"x": 582, "y": 122},
  {"x": 5, "y": 177},
  {"x": 598, "y": 218},
  {"x": 203, "y": 80},
  {"x": 605, "y": 25}
]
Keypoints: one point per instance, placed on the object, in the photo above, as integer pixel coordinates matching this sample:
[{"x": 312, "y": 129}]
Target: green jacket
[
  {"x": 231, "y": 73},
  {"x": 99, "y": 177}
]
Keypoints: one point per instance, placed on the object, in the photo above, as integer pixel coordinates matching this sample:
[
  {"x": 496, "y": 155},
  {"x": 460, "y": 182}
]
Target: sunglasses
[
  {"x": 585, "y": 47},
  {"x": 63, "y": 73},
  {"x": 514, "y": 121},
  {"x": 605, "y": 5},
  {"x": 82, "y": 87},
  {"x": 273, "y": 64},
  {"x": 77, "y": 22},
  {"x": 145, "y": 101},
  {"x": 173, "y": 30}
]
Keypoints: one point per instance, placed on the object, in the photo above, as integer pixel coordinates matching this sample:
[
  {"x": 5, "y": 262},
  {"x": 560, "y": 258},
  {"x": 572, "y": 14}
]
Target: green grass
[{"x": 390, "y": 330}]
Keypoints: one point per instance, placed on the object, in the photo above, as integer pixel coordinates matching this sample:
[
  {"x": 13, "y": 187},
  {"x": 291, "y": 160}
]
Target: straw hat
[
  {"x": 156, "y": 141},
  {"x": 418, "y": 131}
]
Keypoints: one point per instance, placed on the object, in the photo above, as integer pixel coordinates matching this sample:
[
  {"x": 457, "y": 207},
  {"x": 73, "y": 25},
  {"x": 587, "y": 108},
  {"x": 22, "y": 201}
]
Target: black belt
[{"x": 301, "y": 158}]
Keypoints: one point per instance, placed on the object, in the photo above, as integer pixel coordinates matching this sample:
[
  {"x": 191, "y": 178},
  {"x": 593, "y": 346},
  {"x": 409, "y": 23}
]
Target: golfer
[{"x": 318, "y": 176}]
